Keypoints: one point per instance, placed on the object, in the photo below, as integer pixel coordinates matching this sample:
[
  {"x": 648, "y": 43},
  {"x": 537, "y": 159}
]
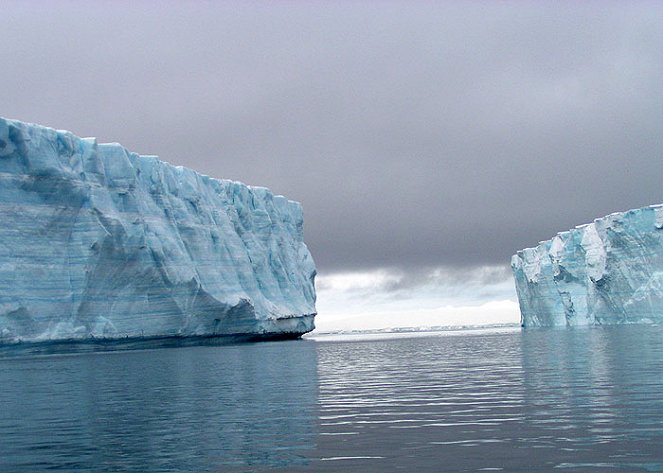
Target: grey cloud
[
  {"x": 415, "y": 134},
  {"x": 468, "y": 284},
  {"x": 402, "y": 281}
]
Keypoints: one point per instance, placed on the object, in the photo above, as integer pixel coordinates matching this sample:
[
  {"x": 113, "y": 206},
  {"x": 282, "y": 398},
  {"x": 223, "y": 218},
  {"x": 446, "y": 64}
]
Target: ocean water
[{"x": 532, "y": 401}]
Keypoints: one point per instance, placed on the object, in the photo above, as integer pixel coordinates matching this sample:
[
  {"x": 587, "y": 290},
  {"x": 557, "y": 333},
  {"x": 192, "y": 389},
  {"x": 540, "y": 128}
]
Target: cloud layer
[{"x": 415, "y": 134}]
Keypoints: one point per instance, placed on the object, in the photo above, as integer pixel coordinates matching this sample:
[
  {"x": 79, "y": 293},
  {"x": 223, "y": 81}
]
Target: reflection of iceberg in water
[
  {"x": 568, "y": 370},
  {"x": 595, "y": 391},
  {"x": 229, "y": 408}
]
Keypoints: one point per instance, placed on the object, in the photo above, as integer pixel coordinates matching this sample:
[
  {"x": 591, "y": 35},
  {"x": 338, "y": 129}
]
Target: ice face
[
  {"x": 96, "y": 241},
  {"x": 607, "y": 272}
]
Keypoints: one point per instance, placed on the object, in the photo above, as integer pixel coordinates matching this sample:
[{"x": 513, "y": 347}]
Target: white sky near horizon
[{"x": 371, "y": 300}]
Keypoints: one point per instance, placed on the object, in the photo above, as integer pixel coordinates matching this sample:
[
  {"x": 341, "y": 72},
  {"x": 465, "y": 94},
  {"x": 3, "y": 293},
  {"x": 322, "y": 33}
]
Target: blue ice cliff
[
  {"x": 99, "y": 242},
  {"x": 606, "y": 272}
]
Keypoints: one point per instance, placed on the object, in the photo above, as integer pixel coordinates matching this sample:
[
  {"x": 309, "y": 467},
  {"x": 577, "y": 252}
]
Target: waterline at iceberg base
[
  {"x": 97, "y": 242},
  {"x": 606, "y": 272}
]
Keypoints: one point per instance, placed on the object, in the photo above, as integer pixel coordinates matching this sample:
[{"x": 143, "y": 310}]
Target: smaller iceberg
[{"x": 606, "y": 272}]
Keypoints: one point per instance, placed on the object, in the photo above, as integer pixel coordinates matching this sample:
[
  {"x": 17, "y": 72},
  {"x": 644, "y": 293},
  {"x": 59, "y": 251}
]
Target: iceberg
[
  {"x": 97, "y": 242},
  {"x": 607, "y": 272}
]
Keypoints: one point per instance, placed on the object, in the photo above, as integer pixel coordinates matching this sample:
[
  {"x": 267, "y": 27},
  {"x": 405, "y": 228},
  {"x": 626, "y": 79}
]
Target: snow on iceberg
[
  {"x": 606, "y": 272},
  {"x": 99, "y": 242}
]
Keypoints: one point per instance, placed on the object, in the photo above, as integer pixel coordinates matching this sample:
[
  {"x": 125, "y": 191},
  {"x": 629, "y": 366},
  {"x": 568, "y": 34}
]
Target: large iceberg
[
  {"x": 606, "y": 272},
  {"x": 98, "y": 242}
]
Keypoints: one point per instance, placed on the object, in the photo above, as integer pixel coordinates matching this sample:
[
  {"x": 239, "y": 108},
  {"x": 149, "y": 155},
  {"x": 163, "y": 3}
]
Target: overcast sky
[{"x": 417, "y": 135}]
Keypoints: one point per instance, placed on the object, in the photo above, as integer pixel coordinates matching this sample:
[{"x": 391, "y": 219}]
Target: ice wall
[
  {"x": 606, "y": 272},
  {"x": 96, "y": 241}
]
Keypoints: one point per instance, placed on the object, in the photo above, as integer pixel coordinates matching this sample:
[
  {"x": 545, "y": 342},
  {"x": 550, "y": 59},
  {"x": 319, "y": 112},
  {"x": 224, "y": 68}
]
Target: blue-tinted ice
[
  {"x": 607, "y": 272},
  {"x": 96, "y": 241}
]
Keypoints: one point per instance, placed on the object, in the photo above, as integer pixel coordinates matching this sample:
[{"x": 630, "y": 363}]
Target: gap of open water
[{"x": 571, "y": 400}]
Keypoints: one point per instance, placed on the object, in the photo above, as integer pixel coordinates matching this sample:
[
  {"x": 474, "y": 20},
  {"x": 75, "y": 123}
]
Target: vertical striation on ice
[
  {"x": 97, "y": 241},
  {"x": 607, "y": 272}
]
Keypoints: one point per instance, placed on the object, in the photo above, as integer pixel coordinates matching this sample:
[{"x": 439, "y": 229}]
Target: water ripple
[{"x": 536, "y": 401}]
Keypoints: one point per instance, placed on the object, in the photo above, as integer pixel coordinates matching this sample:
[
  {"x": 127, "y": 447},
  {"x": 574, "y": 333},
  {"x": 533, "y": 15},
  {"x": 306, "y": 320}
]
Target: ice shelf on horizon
[
  {"x": 100, "y": 242},
  {"x": 606, "y": 272}
]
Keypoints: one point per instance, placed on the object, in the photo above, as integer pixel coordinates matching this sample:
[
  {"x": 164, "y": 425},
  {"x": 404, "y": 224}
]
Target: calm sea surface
[{"x": 533, "y": 401}]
